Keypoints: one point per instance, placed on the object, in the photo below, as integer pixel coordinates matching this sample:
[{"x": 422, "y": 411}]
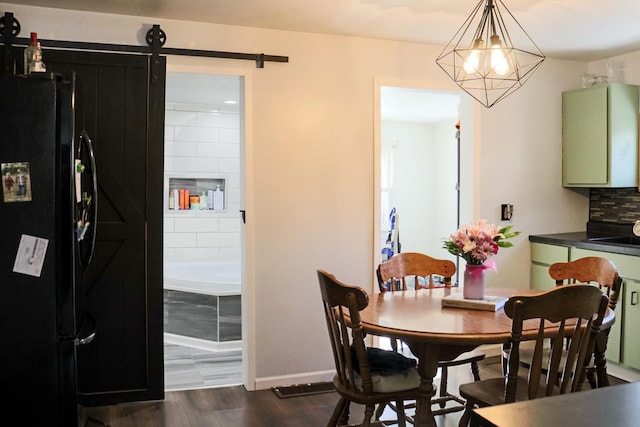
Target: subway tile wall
[
  {"x": 614, "y": 205},
  {"x": 199, "y": 142}
]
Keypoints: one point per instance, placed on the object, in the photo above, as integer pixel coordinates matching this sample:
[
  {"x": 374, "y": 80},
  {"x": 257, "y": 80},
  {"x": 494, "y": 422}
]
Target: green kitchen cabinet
[
  {"x": 600, "y": 136},
  {"x": 542, "y": 256},
  {"x": 631, "y": 341},
  {"x": 624, "y": 339}
]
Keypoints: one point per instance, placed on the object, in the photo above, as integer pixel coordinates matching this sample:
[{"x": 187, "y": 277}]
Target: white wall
[
  {"x": 425, "y": 163},
  {"x": 444, "y": 172},
  {"x": 310, "y": 150}
]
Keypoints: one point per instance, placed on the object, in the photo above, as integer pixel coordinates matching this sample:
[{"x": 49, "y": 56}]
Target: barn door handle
[{"x": 243, "y": 213}]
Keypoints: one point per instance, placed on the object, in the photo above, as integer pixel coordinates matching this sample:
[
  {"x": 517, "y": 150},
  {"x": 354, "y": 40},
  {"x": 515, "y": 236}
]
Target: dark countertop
[{"x": 581, "y": 240}]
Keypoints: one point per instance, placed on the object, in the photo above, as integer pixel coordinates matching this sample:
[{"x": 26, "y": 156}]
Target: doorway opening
[
  {"x": 202, "y": 231},
  {"x": 418, "y": 165}
]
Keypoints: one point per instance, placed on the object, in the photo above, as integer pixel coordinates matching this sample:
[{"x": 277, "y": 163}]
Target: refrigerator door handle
[
  {"x": 92, "y": 205},
  {"x": 86, "y": 340},
  {"x": 87, "y": 330}
]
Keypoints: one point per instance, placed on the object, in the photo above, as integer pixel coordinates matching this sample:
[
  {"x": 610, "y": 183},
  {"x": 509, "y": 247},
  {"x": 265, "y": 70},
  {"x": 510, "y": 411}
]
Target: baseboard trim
[
  {"x": 489, "y": 350},
  {"x": 323, "y": 376},
  {"x": 623, "y": 372}
]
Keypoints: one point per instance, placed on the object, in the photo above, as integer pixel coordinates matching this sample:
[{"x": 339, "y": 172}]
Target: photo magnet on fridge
[{"x": 16, "y": 182}]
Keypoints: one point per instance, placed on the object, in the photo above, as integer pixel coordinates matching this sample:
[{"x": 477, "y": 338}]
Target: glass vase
[{"x": 473, "y": 286}]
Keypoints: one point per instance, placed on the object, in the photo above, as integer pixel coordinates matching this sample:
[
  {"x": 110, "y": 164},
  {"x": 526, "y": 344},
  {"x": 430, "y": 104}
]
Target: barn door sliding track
[{"x": 155, "y": 38}]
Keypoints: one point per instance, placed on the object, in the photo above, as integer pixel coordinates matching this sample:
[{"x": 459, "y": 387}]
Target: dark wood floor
[
  {"x": 221, "y": 407},
  {"x": 236, "y": 407},
  {"x": 233, "y": 407}
]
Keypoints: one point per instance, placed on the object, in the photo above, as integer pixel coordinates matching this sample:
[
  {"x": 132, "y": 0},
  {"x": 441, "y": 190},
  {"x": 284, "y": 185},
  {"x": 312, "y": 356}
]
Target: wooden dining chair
[
  {"x": 355, "y": 379},
  {"x": 602, "y": 273},
  {"x": 425, "y": 272},
  {"x": 570, "y": 314},
  {"x": 599, "y": 272}
]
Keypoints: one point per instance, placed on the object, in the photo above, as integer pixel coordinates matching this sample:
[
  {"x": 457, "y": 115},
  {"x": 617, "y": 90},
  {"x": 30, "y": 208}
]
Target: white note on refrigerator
[{"x": 30, "y": 256}]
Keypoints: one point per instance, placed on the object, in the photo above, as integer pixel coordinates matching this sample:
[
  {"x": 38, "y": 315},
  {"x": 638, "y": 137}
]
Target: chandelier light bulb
[
  {"x": 498, "y": 60},
  {"x": 472, "y": 60}
]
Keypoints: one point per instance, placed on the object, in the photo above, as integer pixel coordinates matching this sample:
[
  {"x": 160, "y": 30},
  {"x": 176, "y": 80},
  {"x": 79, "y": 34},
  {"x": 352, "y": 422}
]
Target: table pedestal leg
[{"x": 428, "y": 355}]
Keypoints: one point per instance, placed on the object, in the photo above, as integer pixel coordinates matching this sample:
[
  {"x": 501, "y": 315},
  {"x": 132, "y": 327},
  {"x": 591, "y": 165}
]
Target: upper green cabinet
[{"x": 600, "y": 136}]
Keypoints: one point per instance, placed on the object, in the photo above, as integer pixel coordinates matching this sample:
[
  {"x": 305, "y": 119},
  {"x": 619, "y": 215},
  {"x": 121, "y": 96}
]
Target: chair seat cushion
[
  {"x": 391, "y": 383},
  {"x": 385, "y": 362},
  {"x": 390, "y": 371},
  {"x": 388, "y": 362}
]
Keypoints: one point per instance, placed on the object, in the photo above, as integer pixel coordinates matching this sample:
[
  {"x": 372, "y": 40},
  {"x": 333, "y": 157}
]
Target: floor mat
[{"x": 303, "y": 389}]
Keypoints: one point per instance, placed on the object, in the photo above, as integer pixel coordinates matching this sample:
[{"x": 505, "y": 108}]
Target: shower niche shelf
[{"x": 195, "y": 185}]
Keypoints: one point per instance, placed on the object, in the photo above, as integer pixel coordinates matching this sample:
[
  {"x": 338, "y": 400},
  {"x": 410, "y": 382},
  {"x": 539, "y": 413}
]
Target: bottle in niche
[
  {"x": 33, "y": 56},
  {"x": 181, "y": 202},
  {"x": 204, "y": 201},
  {"x": 176, "y": 198},
  {"x": 210, "y": 200},
  {"x": 218, "y": 199},
  {"x": 187, "y": 199},
  {"x": 172, "y": 200}
]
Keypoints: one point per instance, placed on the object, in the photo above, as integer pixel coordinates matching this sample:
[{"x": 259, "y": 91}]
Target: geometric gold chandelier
[{"x": 482, "y": 59}]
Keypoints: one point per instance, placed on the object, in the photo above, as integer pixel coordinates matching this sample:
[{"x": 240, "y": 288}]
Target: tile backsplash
[{"x": 614, "y": 205}]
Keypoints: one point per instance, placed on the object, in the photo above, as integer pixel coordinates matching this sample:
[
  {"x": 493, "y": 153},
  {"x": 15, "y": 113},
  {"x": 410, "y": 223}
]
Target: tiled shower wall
[
  {"x": 202, "y": 143},
  {"x": 614, "y": 205}
]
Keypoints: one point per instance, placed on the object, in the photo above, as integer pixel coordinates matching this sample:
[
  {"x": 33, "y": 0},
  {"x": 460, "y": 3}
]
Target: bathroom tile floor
[{"x": 188, "y": 368}]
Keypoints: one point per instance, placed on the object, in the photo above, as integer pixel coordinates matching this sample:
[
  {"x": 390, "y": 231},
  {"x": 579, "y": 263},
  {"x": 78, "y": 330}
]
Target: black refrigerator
[{"x": 47, "y": 232}]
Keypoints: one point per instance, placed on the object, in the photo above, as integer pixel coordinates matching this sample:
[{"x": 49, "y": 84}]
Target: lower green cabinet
[
  {"x": 624, "y": 337},
  {"x": 631, "y": 342},
  {"x": 542, "y": 256}
]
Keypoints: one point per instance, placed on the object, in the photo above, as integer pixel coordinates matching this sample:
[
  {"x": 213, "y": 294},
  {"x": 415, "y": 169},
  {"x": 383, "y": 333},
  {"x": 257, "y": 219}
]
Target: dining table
[{"x": 435, "y": 333}]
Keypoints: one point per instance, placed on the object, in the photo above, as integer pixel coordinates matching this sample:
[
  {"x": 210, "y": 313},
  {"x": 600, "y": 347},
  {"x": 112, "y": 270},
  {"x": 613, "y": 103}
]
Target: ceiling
[{"x": 563, "y": 29}]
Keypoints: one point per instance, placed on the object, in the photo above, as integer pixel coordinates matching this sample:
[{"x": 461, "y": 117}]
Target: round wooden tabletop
[{"x": 419, "y": 316}]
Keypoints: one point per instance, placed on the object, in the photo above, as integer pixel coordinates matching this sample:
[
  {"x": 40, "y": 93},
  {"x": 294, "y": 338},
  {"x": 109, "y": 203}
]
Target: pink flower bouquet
[{"x": 476, "y": 243}]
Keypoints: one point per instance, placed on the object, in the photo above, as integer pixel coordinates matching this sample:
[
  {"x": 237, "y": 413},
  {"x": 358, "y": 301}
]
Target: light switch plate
[{"x": 506, "y": 212}]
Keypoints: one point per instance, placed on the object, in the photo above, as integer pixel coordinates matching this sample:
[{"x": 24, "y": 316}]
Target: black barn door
[{"x": 122, "y": 110}]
